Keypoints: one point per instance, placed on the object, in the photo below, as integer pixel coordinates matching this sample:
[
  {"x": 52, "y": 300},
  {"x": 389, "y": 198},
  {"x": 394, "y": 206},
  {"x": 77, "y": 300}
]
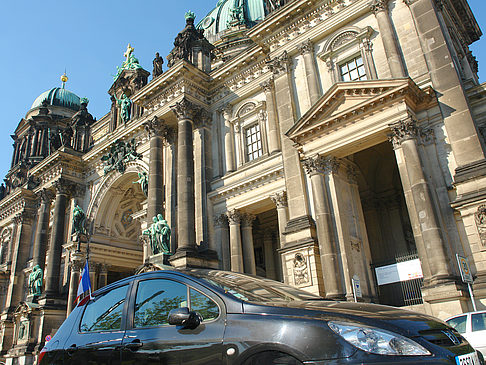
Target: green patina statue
[
  {"x": 36, "y": 281},
  {"x": 78, "y": 220},
  {"x": 159, "y": 235},
  {"x": 120, "y": 153},
  {"x": 130, "y": 63},
  {"x": 143, "y": 181},
  {"x": 125, "y": 107}
]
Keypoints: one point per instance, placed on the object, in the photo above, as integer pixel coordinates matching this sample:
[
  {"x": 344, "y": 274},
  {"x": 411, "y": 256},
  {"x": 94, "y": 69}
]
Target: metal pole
[
  {"x": 472, "y": 296},
  {"x": 354, "y": 290}
]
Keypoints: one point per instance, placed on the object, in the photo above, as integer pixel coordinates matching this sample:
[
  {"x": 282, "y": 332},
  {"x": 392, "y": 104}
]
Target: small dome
[
  {"x": 58, "y": 97},
  {"x": 219, "y": 19}
]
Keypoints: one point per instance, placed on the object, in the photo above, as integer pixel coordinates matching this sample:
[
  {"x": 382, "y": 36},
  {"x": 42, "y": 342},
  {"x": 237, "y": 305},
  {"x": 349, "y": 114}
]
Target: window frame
[{"x": 246, "y": 145}]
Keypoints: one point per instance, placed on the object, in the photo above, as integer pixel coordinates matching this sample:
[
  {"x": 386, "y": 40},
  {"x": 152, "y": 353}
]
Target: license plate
[{"x": 468, "y": 359}]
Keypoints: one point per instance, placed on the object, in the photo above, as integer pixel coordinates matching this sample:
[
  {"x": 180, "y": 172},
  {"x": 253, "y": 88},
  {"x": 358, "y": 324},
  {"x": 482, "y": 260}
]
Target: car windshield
[{"x": 252, "y": 288}]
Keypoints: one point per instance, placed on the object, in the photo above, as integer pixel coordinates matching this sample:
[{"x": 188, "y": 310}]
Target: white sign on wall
[{"x": 401, "y": 271}]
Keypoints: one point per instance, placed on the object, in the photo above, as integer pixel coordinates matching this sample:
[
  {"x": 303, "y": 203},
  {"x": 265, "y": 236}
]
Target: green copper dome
[
  {"x": 228, "y": 12},
  {"x": 58, "y": 97}
]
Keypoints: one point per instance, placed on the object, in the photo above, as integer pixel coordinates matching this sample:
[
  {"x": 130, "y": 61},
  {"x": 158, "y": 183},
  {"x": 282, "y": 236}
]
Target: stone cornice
[{"x": 370, "y": 95}]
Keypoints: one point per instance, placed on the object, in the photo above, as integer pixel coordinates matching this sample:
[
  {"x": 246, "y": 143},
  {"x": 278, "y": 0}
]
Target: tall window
[
  {"x": 353, "y": 70},
  {"x": 253, "y": 139}
]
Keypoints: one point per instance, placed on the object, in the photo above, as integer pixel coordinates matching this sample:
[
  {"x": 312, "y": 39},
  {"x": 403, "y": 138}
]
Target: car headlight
[{"x": 377, "y": 340}]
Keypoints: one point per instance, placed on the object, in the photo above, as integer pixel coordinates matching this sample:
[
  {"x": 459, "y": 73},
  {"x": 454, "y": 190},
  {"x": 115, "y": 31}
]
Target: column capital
[
  {"x": 306, "y": 47},
  {"x": 226, "y": 110},
  {"x": 247, "y": 219},
  {"x": 221, "y": 220},
  {"x": 26, "y": 217},
  {"x": 268, "y": 86},
  {"x": 45, "y": 196},
  {"x": 403, "y": 130},
  {"x": 157, "y": 127},
  {"x": 62, "y": 186},
  {"x": 202, "y": 118},
  {"x": 377, "y": 6},
  {"x": 185, "y": 109},
  {"x": 234, "y": 216},
  {"x": 280, "y": 64},
  {"x": 321, "y": 165},
  {"x": 280, "y": 199}
]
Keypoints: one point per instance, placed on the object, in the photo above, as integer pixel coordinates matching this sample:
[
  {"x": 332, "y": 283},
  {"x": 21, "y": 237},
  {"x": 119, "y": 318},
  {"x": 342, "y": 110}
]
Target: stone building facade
[{"x": 308, "y": 141}]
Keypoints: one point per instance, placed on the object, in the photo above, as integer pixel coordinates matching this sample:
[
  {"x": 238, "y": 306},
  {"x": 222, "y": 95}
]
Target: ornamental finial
[{"x": 64, "y": 78}]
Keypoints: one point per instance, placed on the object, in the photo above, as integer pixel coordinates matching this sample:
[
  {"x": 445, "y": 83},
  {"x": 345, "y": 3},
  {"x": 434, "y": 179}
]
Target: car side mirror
[{"x": 185, "y": 318}]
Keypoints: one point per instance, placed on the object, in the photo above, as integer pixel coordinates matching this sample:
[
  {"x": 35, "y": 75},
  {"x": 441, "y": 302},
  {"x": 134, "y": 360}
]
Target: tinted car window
[
  {"x": 478, "y": 322},
  {"x": 203, "y": 305},
  {"x": 104, "y": 312},
  {"x": 155, "y": 299},
  {"x": 253, "y": 288},
  {"x": 459, "y": 323}
]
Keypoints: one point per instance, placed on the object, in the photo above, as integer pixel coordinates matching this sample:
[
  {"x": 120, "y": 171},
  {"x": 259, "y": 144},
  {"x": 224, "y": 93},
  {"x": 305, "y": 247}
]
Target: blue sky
[{"x": 40, "y": 39}]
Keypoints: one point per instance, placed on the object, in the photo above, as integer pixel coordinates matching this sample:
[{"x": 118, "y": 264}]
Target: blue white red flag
[{"x": 84, "y": 282}]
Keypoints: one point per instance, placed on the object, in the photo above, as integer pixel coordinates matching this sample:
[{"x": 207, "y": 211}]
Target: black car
[{"x": 215, "y": 317}]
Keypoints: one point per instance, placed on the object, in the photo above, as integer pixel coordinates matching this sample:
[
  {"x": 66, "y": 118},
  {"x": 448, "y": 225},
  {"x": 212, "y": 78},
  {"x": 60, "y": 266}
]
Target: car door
[
  {"x": 150, "y": 339},
  {"x": 477, "y": 337},
  {"x": 98, "y": 335}
]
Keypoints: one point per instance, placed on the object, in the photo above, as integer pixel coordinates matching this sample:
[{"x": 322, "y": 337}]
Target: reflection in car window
[
  {"x": 459, "y": 323},
  {"x": 203, "y": 305},
  {"x": 104, "y": 312},
  {"x": 155, "y": 299},
  {"x": 252, "y": 288},
  {"x": 478, "y": 322}
]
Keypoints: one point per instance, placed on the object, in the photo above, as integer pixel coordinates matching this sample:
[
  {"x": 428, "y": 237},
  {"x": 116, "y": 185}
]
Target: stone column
[
  {"x": 159, "y": 133},
  {"x": 307, "y": 51},
  {"x": 446, "y": 81},
  {"x": 203, "y": 172},
  {"x": 185, "y": 112},
  {"x": 280, "y": 201},
  {"x": 247, "y": 240},
  {"x": 221, "y": 237},
  {"x": 57, "y": 238},
  {"x": 420, "y": 203},
  {"x": 300, "y": 227},
  {"x": 76, "y": 264},
  {"x": 41, "y": 233},
  {"x": 272, "y": 127},
  {"x": 317, "y": 167},
  {"x": 229, "y": 146},
  {"x": 270, "y": 259},
  {"x": 389, "y": 39},
  {"x": 236, "y": 252}
]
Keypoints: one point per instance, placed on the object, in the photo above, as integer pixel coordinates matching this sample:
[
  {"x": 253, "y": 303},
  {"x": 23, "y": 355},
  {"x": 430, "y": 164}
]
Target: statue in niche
[
  {"x": 301, "y": 272},
  {"x": 143, "y": 181},
  {"x": 79, "y": 217},
  {"x": 159, "y": 235},
  {"x": 22, "y": 330},
  {"x": 125, "y": 107},
  {"x": 35, "y": 281},
  {"x": 157, "y": 62}
]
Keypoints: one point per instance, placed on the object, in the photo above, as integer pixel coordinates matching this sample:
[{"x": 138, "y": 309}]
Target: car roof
[{"x": 463, "y": 314}]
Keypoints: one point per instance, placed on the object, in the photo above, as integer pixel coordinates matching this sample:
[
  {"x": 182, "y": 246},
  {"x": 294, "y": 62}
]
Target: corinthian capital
[
  {"x": 280, "y": 199},
  {"x": 306, "y": 47},
  {"x": 280, "y": 64},
  {"x": 267, "y": 85},
  {"x": 185, "y": 109},
  {"x": 378, "y": 5},
  {"x": 402, "y": 130},
  {"x": 247, "y": 219},
  {"x": 158, "y": 128},
  {"x": 63, "y": 186},
  {"x": 234, "y": 216},
  {"x": 45, "y": 195},
  {"x": 321, "y": 164}
]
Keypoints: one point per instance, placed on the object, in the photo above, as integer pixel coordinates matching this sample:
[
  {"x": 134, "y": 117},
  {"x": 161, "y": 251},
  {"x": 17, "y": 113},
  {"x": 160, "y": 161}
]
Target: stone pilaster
[
  {"x": 307, "y": 51},
  {"x": 229, "y": 149},
  {"x": 42, "y": 229},
  {"x": 420, "y": 205},
  {"x": 221, "y": 238},
  {"x": 272, "y": 126},
  {"x": 317, "y": 168},
  {"x": 57, "y": 237},
  {"x": 236, "y": 252},
  {"x": 389, "y": 38},
  {"x": 300, "y": 227},
  {"x": 76, "y": 265},
  {"x": 280, "y": 201},
  {"x": 247, "y": 241}
]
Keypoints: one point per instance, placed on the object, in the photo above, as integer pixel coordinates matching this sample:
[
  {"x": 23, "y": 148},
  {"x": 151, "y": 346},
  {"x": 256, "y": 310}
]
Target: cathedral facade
[{"x": 334, "y": 145}]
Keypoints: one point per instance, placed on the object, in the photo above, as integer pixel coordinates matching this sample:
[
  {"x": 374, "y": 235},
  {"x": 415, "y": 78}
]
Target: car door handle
[
  {"x": 72, "y": 349},
  {"x": 134, "y": 345}
]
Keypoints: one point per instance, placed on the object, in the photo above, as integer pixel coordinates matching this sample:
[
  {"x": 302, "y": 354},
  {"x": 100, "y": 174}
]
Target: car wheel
[{"x": 271, "y": 358}]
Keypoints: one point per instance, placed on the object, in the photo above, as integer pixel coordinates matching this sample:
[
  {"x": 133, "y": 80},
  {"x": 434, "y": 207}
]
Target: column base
[
  {"x": 445, "y": 299},
  {"x": 470, "y": 171},
  {"x": 184, "y": 259},
  {"x": 300, "y": 230}
]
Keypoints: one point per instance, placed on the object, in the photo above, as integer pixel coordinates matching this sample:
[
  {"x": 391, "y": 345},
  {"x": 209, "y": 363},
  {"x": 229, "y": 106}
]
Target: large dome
[
  {"x": 218, "y": 19},
  {"x": 58, "y": 97}
]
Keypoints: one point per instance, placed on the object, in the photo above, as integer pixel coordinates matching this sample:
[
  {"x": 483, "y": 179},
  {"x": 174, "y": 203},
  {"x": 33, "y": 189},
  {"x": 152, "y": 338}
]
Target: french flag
[{"x": 84, "y": 283}]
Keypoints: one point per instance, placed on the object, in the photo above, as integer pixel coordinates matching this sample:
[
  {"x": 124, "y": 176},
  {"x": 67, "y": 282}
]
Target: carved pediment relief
[{"x": 346, "y": 101}]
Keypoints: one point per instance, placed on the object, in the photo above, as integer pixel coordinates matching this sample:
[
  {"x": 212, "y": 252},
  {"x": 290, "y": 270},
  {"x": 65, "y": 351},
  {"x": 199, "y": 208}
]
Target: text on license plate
[{"x": 468, "y": 359}]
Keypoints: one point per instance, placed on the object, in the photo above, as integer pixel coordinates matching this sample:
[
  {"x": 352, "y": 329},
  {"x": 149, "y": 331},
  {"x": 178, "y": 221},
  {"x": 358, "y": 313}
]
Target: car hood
[{"x": 392, "y": 318}]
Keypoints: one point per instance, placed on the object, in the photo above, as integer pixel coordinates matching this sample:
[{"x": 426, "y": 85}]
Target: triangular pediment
[{"x": 347, "y": 100}]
